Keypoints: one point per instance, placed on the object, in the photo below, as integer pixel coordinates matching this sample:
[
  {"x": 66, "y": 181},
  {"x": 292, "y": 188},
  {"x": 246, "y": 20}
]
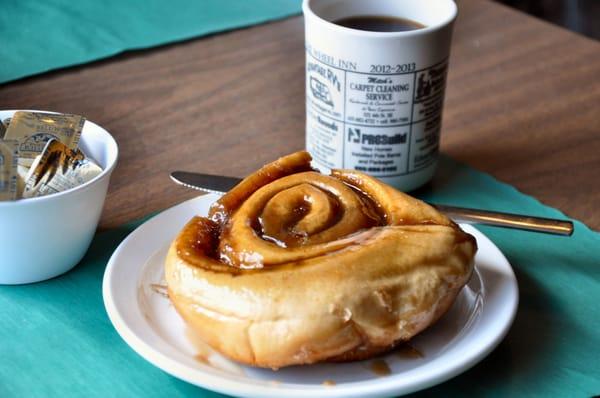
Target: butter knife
[{"x": 220, "y": 184}]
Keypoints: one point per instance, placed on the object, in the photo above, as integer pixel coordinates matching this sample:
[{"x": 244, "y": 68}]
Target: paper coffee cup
[{"x": 374, "y": 99}]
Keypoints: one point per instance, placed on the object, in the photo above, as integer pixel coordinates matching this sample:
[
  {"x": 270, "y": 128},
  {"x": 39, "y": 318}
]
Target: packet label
[
  {"x": 34, "y": 129},
  {"x": 9, "y": 154}
]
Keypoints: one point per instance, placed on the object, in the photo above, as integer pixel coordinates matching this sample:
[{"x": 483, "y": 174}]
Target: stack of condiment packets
[{"x": 40, "y": 155}]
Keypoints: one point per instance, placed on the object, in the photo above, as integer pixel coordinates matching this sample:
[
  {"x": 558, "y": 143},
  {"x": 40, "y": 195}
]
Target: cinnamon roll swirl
[{"x": 294, "y": 267}]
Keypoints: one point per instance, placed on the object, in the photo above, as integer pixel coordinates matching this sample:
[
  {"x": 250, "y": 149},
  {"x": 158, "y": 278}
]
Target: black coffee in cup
[{"x": 379, "y": 23}]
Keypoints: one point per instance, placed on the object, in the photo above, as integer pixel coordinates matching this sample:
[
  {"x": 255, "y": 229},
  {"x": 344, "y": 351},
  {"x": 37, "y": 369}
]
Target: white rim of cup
[
  {"x": 106, "y": 171},
  {"x": 309, "y": 13}
]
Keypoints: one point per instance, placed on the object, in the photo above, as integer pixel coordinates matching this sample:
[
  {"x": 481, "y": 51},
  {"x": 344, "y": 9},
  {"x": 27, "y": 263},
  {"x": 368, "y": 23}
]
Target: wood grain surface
[{"x": 522, "y": 103}]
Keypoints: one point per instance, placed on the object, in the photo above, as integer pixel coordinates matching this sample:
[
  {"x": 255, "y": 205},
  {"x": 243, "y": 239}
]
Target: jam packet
[
  {"x": 34, "y": 129},
  {"x": 9, "y": 154},
  {"x": 58, "y": 169}
]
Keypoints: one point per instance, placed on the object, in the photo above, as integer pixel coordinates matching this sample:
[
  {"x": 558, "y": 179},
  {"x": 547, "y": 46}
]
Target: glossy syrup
[
  {"x": 380, "y": 367},
  {"x": 406, "y": 351}
]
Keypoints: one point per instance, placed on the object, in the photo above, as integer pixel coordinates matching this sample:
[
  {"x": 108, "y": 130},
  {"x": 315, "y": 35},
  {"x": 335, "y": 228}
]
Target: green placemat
[
  {"x": 56, "y": 339},
  {"x": 37, "y": 36}
]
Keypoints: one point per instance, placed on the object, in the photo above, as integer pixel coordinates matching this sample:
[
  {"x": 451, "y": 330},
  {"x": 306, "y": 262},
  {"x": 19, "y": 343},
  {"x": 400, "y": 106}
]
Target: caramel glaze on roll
[{"x": 295, "y": 267}]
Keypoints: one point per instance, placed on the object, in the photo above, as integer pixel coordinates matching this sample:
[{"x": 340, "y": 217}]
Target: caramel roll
[{"x": 294, "y": 267}]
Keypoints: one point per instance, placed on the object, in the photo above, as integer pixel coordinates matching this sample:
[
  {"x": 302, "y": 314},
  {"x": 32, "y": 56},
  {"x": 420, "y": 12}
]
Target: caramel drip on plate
[
  {"x": 159, "y": 289},
  {"x": 406, "y": 351},
  {"x": 380, "y": 368}
]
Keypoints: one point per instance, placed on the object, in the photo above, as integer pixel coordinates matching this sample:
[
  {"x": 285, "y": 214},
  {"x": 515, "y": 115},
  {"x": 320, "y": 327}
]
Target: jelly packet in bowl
[
  {"x": 57, "y": 169},
  {"x": 34, "y": 129}
]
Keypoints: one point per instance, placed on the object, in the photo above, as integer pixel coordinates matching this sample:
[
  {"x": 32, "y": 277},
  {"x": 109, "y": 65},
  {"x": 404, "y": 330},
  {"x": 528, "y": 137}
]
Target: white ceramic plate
[{"x": 145, "y": 319}]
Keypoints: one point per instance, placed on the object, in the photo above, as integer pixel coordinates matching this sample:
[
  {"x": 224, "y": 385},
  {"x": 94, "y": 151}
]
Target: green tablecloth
[
  {"x": 37, "y": 36},
  {"x": 55, "y": 336}
]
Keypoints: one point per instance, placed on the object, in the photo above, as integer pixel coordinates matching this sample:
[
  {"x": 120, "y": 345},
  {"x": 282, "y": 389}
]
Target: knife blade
[{"x": 220, "y": 184}]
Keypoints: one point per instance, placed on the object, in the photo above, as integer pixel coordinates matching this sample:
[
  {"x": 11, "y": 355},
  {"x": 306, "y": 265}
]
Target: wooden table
[{"x": 522, "y": 103}]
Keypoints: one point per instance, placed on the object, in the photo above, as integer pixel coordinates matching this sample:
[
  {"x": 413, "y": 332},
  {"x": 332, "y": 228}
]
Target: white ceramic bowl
[{"x": 46, "y": 236}]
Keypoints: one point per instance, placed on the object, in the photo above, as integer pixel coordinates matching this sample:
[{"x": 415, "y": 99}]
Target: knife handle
[{"x": 508, "y": 220}]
